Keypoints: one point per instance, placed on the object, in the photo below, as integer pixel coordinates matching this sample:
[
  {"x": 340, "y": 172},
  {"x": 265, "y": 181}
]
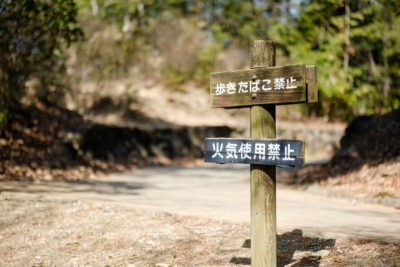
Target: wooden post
[
  {"x": 263, "y": 177},
  {"x": 261, "y": 88}
]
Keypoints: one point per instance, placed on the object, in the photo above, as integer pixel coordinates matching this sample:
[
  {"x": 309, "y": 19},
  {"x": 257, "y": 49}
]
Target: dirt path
[{"x": 221, "y": 192}]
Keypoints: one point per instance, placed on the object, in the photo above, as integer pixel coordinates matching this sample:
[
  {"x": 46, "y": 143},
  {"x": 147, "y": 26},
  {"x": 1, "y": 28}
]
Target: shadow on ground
[
  {"x": 290, "y": 242},
  {"x": 76, "y": 187}
]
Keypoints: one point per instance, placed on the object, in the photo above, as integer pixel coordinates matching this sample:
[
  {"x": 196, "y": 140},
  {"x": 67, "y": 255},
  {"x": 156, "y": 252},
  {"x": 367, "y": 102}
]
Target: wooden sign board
[
  {"x": 251, "y": 151},
  {"x": 273, "y": 85}
]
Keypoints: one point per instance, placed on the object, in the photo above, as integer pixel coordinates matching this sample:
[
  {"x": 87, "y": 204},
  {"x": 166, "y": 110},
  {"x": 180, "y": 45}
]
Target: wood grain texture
[
  {"x": 311, "y": 83},
  {"x": 263, "y": 178},
  {"x": 286, "y": 96},
  {"x": 266, "y": 48},
  {"x": 263, "y": 216}
]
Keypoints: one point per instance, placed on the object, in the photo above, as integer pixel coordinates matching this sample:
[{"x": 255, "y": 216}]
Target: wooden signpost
[{"x": 261, "y": 88}]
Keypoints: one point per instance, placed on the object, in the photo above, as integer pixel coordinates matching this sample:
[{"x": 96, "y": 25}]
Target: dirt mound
[
  {"x": 368, "y": 140},
  {"x": 55, "y": 143},
  {"x": 118, "y": 143},
  {"x": 365, "y": 165}
]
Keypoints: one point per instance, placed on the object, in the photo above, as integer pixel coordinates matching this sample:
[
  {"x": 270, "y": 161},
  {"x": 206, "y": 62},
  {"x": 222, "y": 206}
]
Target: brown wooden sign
[{"x": 272, "y": 85}]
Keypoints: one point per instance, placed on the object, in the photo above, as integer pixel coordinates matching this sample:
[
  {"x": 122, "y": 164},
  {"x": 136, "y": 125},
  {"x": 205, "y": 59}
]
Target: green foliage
[
  {"x": 354, "y": 43},
  {"x": 180, "y": 39},
  {"x": 33, "y": 34},
  {"x": 357, "y": 53}
]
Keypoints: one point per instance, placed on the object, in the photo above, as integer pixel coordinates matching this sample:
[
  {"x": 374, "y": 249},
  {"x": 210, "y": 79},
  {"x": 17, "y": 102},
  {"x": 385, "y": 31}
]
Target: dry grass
[
  {"x": 40, "y": 232},
  {"x": 369, "y": 181}
]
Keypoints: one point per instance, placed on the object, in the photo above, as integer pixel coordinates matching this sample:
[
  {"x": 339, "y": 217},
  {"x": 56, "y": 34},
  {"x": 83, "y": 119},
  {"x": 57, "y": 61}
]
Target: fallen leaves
[{"x": 80, "y": 233}]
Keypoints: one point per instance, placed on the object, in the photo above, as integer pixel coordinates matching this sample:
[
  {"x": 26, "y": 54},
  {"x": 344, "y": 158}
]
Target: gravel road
[{"x": 221, "y": 192}]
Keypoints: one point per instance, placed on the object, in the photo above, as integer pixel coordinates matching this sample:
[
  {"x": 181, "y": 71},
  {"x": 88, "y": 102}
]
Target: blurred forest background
[
  {"x": 49, "y": 47},
  {"x": 93, "y": 88},
  {"x": 85, "y": 84}
]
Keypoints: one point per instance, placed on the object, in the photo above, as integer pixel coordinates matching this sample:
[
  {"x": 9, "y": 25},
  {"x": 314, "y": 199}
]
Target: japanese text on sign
[
  {"x": 254, "y": 86},
  {"x": 270, "y": 85},
  {"x": 245, "y": 149},
  {"x": 269, "y": 152}
]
